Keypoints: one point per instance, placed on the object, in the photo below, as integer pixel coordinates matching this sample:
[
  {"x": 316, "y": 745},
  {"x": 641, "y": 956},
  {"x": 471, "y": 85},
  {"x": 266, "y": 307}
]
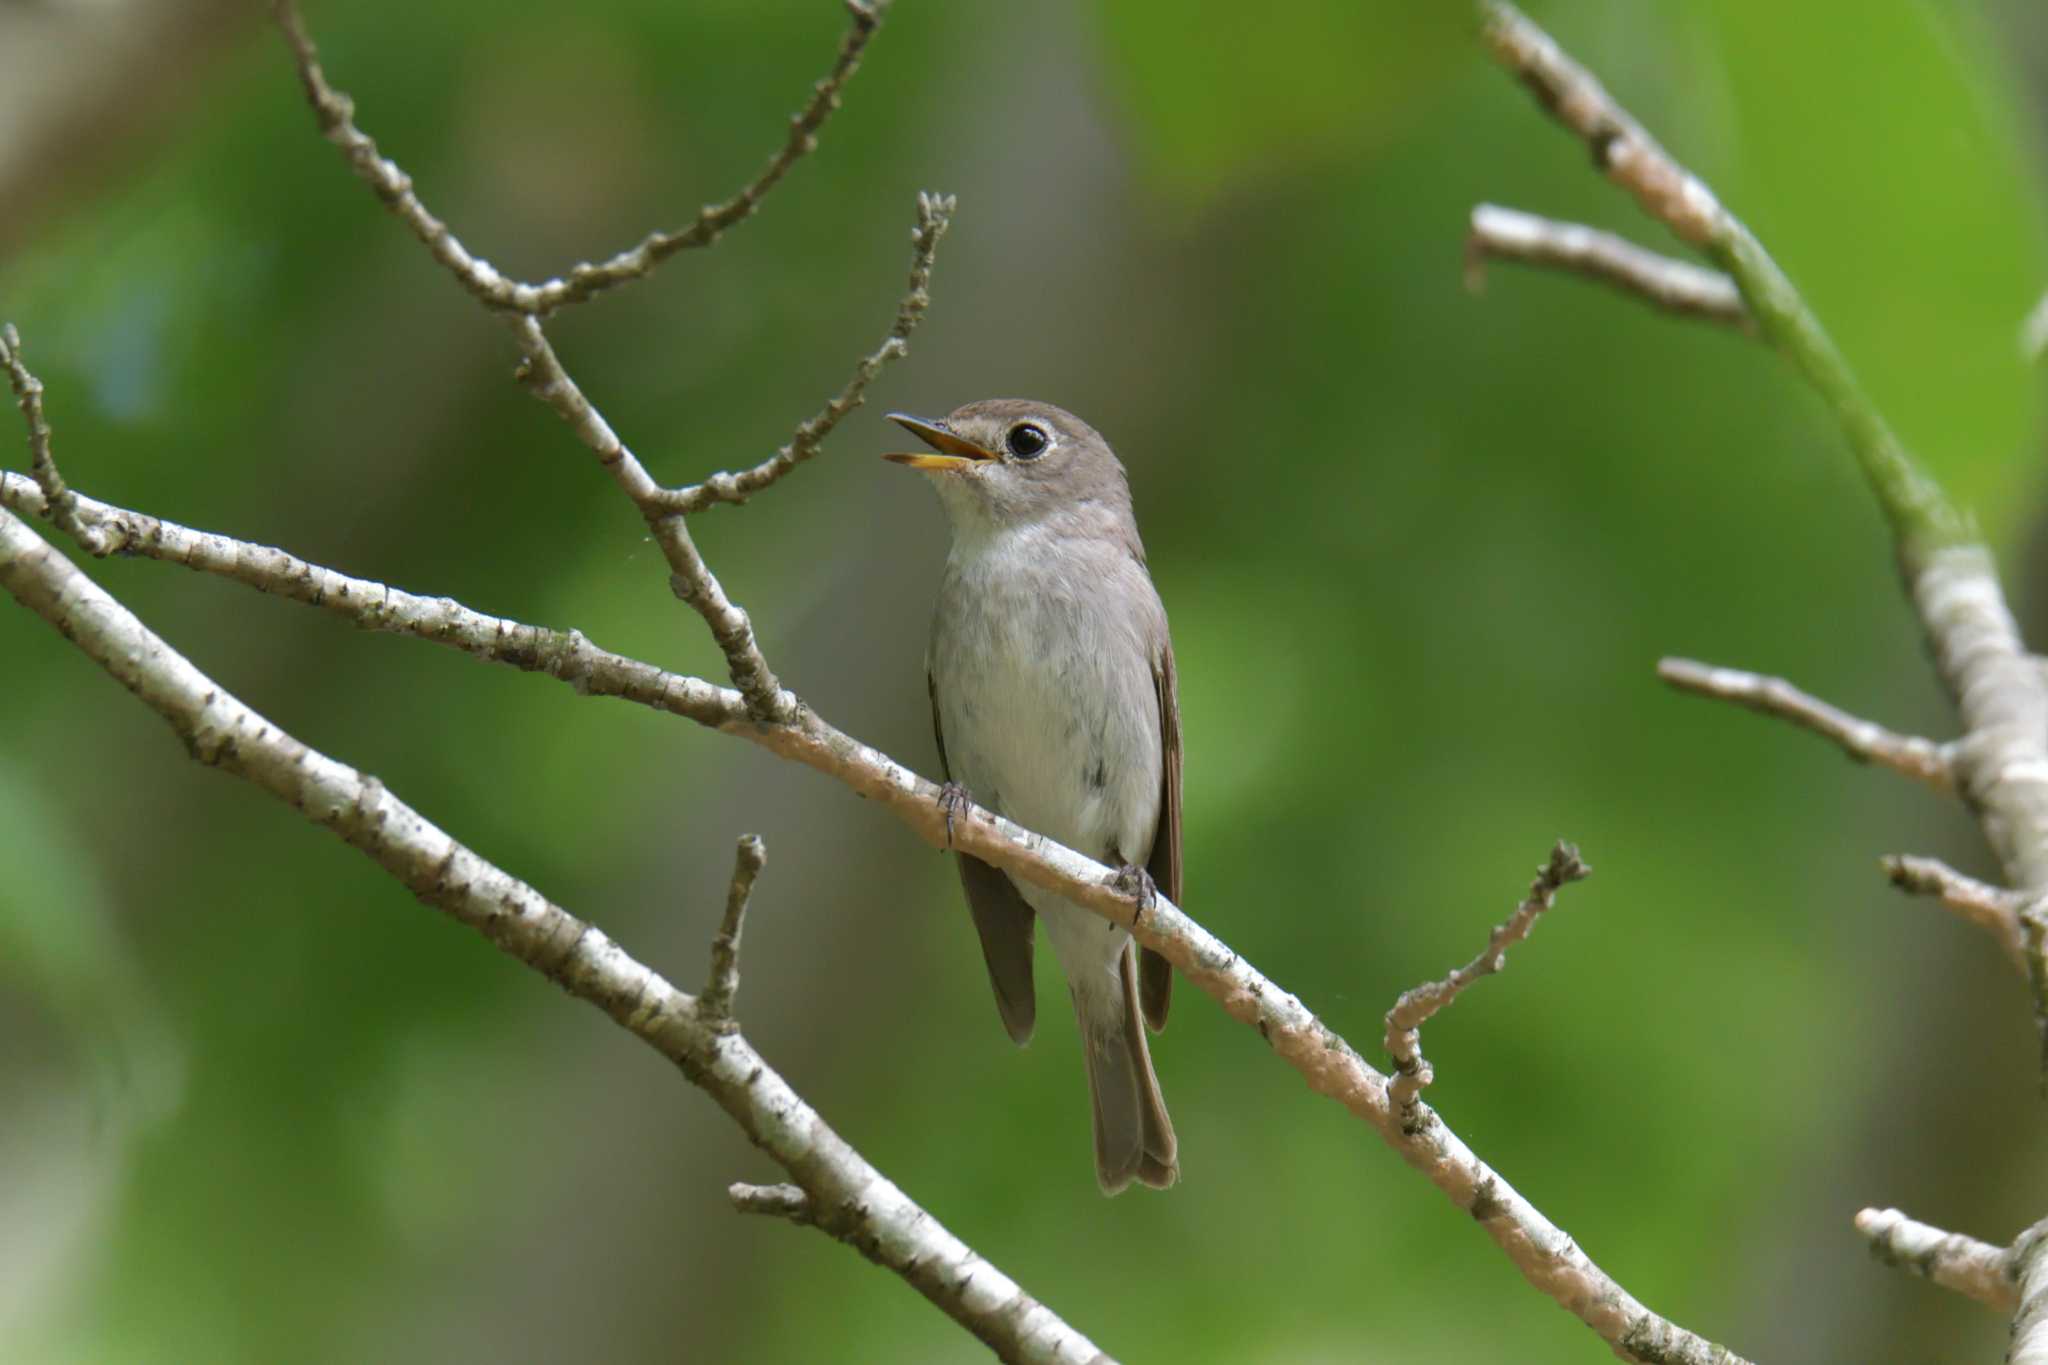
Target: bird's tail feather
[{"x": 1133, "y": 1136}]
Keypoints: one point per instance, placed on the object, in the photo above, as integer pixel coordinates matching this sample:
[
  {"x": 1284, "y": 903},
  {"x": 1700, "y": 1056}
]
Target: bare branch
[
  {"x": 1920, "y": 515},
  {"x": 776, "y": 1201},
  {"x": 690, "y": 577},
  {"x": 1991, "y": 908},
  {"x": 1418, "y": 1005},
  {"x": 724, "y": 982},
  {"x": 1865, "y": 741},
  {"x": 1621, "y": 148},
  {"x": 336, "y": 114},
  {"x": 857, "y": 1203},
  {"x": 59, "y": 503},
  {"x": 2000, "y": 766},
  {"x": 563, "y": 654},
  {"x": 2029, "y": 1268},
  {"x": 1501, "y": 234},
  {"x": 1541, "y": 1251},
  {"x": 934, "y": 214},
  {"x": 1951, "y": 1260}
]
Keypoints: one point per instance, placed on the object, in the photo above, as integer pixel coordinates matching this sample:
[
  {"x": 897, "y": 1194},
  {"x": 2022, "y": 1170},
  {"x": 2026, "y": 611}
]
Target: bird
[{"x": 1054, "y": 703}]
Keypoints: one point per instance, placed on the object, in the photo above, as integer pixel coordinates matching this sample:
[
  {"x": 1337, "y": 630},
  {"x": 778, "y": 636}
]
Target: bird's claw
[
  {"x": 953, "y": 800},
  {"x": 1135, "y": 882}
]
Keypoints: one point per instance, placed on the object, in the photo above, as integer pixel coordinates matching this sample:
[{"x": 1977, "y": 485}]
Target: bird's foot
[
  {"x": 1135, "y": 882},
  {"x": 953, "y": 800}
]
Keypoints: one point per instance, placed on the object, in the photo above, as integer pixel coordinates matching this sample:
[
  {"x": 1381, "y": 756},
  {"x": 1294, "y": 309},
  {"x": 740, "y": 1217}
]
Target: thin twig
[
  {"x": 776, "y": 1201},
  {"x": 857, "y": 1203},
  {"x": 723, "y": 984},
  {"x": 1419, "y": 1004},
  {"x": 336, "y": 114},
  {"x": 1501, "y": 234},
  {"x": 59, "y": 503},
  {"x": 1993, "y": 909},
  {"x": 1923, "y": 760},
  {"x": 1970, "y": 1267},
  {"x": 690, "y": 577},
  {"x": 934, "y": 214}
]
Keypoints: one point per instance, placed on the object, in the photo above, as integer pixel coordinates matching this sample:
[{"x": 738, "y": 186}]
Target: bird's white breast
[{"x": 1042, "y": 660}]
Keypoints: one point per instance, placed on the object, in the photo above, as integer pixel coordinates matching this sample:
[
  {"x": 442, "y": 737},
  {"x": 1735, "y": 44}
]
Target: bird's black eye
[{"x": 1027, "y": 442}]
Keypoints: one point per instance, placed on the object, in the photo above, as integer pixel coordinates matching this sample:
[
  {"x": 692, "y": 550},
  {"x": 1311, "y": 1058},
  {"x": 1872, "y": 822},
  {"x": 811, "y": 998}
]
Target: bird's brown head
[{"x": 1010, "y": 461}]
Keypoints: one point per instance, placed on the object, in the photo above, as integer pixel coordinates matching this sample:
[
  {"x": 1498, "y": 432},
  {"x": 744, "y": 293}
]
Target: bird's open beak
[{"x": 954, "y": 453}]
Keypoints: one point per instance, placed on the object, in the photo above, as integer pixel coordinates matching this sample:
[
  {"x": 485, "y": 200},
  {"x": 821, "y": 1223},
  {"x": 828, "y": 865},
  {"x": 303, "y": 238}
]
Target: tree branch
[
  {"x": 772, "y": 718},
  {"x": 1993, "y": 909},
  {"x": 1953, "y": 1261},
  {"x": 1501, "y": 234},
  {"x": 336, "y": 114},
  {"x": 1921, "y": 516},
  {"x": 2029, "y": 1268},
  {"x": 856, "y": 1202},
  {"x": 934, "y": 214},
  {"x": 56, "y": 501},
  {"x": 1542, "y": 1252},
  {"x": 776, "y": 1201},
  {"x": 1419, "y": 1004},
  {"x": 566, "y": 655},
  {"x": 1864, "y": 741},
  {"x": 690, "y": 577},
  {"x": 2000, "y": 766},
  {"x": 715, "y": 1004}
]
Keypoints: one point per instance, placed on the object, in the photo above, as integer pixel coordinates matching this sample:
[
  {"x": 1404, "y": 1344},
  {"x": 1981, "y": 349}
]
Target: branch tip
[
  {"x": 722, "y": 986},
  {"x": 59, "y": 504},
  {"x": 1503, "y": 234},
  {"x": 1418, "y": 1005},
  {"x": 934, "y": 216},
  {"x": 1997, "y": 911},
  {"x": 1865, "y": 741},
  {"x": 1970, "y": 1267},
  {"x": 776, "y": 1201}
]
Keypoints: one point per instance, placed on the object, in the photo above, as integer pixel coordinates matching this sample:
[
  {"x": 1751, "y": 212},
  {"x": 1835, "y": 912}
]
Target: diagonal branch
[
  {"x": 689, "y": 576},
  {"x": 1543, "y": 1253},
  {"x": 57, "y": 501},
  {"x": 336, "y": 114},
  {"x": 1667, "y": 191},
  {"x": 1419, "y": 1004},
  {"x": 2000, "y": 765},
  {"x": 1865, "y": 741},
  {"x": 855, "y": 1202},
  {"x": 934, "y": 214},
  {"x": 562, "y": 654},
  {"x": 1499, "y": 234}
]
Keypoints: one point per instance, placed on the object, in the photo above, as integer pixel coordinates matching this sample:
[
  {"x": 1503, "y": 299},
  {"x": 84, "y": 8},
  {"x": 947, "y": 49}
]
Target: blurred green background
[{"x": 1421, "y": 550}]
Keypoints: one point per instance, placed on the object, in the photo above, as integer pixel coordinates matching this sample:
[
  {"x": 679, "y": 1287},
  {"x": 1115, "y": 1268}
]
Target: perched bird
[{"x": 1052, "y": 691}]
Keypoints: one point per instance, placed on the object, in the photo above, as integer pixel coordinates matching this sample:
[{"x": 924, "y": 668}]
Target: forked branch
[{"x": 336, "y": 114}]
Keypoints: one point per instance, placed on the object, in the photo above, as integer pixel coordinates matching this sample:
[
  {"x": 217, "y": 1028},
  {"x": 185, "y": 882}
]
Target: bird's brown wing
[
  {"x": 1155, "y": 973},
  {"x": 1001, "y": 918}
]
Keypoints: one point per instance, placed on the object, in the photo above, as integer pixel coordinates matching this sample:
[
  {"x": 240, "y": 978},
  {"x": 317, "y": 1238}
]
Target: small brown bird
[{"x": 1052, "y": 689}]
